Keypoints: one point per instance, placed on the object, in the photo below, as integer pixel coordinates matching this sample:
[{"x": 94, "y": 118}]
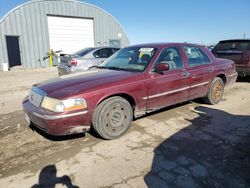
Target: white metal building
[{"x": 30, "y": 30}]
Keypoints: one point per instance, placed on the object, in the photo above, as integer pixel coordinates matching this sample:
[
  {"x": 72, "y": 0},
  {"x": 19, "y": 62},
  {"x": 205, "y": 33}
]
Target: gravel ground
[{"x": 188, "y": 145}]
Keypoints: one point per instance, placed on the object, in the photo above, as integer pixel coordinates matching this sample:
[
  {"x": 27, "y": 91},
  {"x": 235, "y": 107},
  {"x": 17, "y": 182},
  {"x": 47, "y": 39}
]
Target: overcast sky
[{"x": 196, "y": 21}]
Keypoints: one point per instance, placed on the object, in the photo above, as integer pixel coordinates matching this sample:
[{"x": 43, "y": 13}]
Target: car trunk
[
  {"x": 236, "y": 56},
  {"x": 238, "y": 51},
  {"x": 65, "y": 59}
]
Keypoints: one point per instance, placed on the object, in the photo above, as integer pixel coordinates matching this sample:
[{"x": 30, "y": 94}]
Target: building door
[
  {"x": 13, "y": 51},
  {"x": 70, "y": 34}
]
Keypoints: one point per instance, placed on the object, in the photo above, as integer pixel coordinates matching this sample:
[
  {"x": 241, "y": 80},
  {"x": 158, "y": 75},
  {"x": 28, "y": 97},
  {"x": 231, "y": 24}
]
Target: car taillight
[{"x": 73, "y": 62}]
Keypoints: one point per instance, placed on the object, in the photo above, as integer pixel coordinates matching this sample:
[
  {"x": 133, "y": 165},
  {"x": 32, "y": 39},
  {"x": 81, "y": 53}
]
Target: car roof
[
  {"x": 236, "y": 40},
  {"x": 165, "y": 44},
  {"x": 101, "y": 47}
]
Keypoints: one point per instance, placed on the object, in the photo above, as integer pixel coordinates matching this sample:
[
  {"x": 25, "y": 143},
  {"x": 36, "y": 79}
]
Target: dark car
[
  {"x": 134, "y": 81},
  {"x": 84, "y": 59},
  {"x": 236, "y": 50}
]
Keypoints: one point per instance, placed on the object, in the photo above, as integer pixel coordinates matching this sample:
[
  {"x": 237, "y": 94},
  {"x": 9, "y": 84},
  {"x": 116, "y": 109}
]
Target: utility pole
[{"x": 244, "y": 35}]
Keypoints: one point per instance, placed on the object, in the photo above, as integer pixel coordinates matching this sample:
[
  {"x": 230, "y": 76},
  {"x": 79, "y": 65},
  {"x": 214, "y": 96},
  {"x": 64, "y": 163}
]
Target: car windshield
[
  {"x": 130, "y": 59},
  {"x": 83, "y": 52},
  {"x": 233, "y": 45}
]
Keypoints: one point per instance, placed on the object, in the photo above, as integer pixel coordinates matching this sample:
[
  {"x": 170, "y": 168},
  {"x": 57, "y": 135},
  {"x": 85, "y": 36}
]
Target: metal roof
[
  {"x": 28, "y": 21},
  {"x": 34, "y": 1}
]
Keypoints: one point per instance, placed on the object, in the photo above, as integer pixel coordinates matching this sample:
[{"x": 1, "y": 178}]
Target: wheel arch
[
  {"x": 126, "y": 96},
  {"x": 223, "y": 77}
]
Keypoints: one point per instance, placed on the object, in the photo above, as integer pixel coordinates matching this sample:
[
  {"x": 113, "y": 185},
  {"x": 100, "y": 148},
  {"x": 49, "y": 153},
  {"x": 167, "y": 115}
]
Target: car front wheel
[
  {"x": 215, "y": 91},
  {"x": 112, "y": 117}
]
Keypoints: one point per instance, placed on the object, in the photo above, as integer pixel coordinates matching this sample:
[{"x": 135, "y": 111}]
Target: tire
[
  {"x": 112, "y": 117},
  {"x": 215, "y": 91}
]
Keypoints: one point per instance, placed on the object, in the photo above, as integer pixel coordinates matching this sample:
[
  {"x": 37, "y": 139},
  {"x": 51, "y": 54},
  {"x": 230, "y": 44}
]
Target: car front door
[
  {"x": 168, "y": 87},
  {"x": 199, "y": 71}
]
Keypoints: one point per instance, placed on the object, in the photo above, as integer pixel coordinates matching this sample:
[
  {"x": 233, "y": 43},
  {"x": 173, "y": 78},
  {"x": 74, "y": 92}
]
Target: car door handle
[
  {"x": 211, "y": 69},
  {"x": 185, "y": 74}
]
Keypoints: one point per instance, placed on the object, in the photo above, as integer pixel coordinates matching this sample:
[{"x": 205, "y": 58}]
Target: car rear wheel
[
  {"x": 112, "y": 117},
  {"x": 215, "y": 91}
]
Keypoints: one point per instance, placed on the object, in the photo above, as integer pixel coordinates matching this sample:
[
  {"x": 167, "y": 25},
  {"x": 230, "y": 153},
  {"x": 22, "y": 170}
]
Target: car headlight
[{"x": 56, "y": 105}]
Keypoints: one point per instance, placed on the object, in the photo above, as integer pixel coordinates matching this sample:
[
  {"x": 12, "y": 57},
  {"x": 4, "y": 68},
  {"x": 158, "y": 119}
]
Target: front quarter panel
[{"x": 135, "y": 89}]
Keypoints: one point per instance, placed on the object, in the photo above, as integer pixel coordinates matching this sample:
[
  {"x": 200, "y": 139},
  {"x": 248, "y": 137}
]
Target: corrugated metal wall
[{"x": 29, "y": 21}]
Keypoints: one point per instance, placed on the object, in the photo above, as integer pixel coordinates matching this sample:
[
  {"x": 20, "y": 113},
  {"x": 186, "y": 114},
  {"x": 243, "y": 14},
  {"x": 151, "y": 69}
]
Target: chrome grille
[{"x": 36, "y": 96}]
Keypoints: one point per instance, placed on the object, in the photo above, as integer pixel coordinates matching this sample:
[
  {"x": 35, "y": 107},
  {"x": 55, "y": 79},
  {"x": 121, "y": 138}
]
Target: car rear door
[
  {"x": 102, "y": 54},
  {"x": 169, "y": 87},
  {"x": 200, "y": 71}
]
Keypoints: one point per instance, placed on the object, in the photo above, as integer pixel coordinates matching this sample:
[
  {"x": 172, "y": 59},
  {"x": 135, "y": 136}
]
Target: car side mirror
[{"x": 161, "y": 67}]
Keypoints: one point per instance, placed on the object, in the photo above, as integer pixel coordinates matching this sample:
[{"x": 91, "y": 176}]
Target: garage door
[{"x": 70, "y": 34}]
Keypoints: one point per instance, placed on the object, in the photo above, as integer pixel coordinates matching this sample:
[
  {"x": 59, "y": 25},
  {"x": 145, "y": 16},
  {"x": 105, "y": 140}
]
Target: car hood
[{"x": 80, "y": 83}]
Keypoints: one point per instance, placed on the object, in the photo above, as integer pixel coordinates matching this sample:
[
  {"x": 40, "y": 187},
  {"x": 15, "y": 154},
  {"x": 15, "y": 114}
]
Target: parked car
[
  {"x": 236, "y": 50},
  {"x": 84, "y": 59},
  {"x": 134, "y": 81}
]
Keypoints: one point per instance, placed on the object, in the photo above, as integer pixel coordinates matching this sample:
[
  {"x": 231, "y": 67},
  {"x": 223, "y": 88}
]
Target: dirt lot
[{"x": 189, "y": 145}]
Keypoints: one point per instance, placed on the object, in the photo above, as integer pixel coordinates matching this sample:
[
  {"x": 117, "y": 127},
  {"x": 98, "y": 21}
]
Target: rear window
[
  {"x": 233, "y": 45},
  {"x": 83, "y": 52},
  {"x": 116, "y": 49},
  {"x": 196, "y": 56}
]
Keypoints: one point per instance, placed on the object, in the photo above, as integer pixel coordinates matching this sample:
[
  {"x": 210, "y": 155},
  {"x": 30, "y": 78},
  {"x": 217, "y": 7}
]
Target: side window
[
  {"x": 172, "y": 57},
  {"x": 196, "y": 56},
  {"x": 106, "y": 52},
  {"x": 103, "y": 53},
  {"x": 97, "y": 54}
]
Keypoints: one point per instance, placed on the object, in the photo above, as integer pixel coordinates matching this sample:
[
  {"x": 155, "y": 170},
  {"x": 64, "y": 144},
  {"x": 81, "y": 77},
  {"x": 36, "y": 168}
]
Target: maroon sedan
[{"x": 136, "y": 80}]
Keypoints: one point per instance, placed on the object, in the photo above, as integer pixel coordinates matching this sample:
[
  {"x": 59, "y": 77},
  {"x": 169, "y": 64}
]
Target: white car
[{"x": 84, "y": 59}]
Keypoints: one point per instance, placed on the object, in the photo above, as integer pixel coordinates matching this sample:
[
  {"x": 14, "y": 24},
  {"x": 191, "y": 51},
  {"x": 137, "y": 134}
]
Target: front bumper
[
  {"x": 57, "y": 124},
  {"x": 232, "y": 78}
]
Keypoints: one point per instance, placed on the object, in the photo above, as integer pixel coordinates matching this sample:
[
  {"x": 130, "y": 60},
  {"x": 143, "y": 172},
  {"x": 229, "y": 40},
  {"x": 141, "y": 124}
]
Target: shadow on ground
[
  {"x": 243, "y": 79},
  {"x": 214, "y": 151},
  {"x": 49, "y": 179},
  {"x": 56, "y": 138}
]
